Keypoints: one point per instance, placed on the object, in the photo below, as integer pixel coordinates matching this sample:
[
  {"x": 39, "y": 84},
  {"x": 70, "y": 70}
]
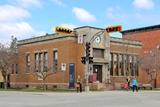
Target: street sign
[
  {"x": 80, "y": 39},
  {"x": 114, "y": 29},
  {"x": 63, "y": 30},
  {"x": 63, "y": 66}
]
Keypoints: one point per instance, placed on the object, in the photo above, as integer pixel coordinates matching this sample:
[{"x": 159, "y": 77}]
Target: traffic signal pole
[
  {"x": 87, "y": 51},
  {"x": 87, "y": 76},
  {"x": 89, "y": 59}
]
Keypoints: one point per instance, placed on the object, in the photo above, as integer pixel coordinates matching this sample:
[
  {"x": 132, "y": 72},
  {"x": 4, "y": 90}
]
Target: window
[
  {"x": 131, "y": 65},
  {"x": 125, "y": 63},
  {"x": 121, "y": 65},
  {"x": 111, "y": 63},
  {"x": 12, "y": 68},
  {"x": 98, "y": 53},
  {"x": 45, "y": 61},
  {"x": 41, "y": 62},
  {"x": 136, "y": 66},
  {"x": 28, "y": 61},
  {"x": 36, "y": 62},
  {"x": 16, "y": 68},
  {"x": 115, "y": 64},
  {"x": 55, "y": 60}
]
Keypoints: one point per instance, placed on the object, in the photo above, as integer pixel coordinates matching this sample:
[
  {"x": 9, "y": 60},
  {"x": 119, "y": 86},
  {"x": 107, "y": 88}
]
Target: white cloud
[
  {"x": 59, "y": 3},
  {"x": 28, "y": 3},
  {"x": 12, "y": 23},
  {"x": 83, "y": 15},
  {"x": 18, "y": 29},
  {"x": 12, "y": 13},
  {"x": 116, "y": 14},
  {"x": 143, "y": 4},
  {"x": 139, "y": 16},
  {"x": 66, "y": 25},
  {"x": 71, "y": 26},
  {"x": 110, "y": 13}
]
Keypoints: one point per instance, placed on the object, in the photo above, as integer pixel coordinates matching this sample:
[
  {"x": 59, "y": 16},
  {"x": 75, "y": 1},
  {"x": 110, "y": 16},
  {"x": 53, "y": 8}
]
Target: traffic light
[
  {"x": 88, "y": 47},
  {"x": 83, "y": 60},
  {"x": 114, "y": 29},
  {"x": 90, "y": 60},
  {"x": 63, "y": 30}
]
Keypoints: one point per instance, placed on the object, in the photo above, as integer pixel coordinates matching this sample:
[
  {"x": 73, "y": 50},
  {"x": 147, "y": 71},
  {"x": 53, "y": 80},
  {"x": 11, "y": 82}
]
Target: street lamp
[{"x": 157, "y": 64}]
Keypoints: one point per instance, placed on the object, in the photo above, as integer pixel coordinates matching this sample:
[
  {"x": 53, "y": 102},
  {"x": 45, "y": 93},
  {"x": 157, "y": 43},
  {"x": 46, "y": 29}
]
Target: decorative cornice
[
  {"x": 43, "y": 38},
  {"x": 125, "y": 41}
]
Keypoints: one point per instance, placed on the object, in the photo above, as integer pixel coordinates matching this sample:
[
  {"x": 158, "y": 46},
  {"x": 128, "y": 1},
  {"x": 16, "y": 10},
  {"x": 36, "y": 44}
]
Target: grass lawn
[{"x": 38, "y": 90}]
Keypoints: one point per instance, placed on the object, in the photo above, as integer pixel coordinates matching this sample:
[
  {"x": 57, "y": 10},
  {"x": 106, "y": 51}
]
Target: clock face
[{"x": 98, "y": 39}]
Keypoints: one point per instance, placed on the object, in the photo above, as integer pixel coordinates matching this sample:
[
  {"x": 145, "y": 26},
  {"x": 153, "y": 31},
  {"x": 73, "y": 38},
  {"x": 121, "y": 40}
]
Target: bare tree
[
  {"x": 43, "y": 74},
  {"x": 150, "y": 63},
  {"x": 7, "y": 58}
]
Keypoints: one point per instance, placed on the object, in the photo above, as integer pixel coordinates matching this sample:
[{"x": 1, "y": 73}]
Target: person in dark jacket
[{"x": 79, "y": 84}]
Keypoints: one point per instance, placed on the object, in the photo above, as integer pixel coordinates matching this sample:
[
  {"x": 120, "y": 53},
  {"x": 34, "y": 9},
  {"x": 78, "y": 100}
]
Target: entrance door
[
  {"x": 71, "y": 75},
  {"x": 98, "y": 70}
]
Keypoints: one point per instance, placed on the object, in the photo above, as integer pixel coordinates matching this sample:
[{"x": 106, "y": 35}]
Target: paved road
[{"x": 91, "y": 99}]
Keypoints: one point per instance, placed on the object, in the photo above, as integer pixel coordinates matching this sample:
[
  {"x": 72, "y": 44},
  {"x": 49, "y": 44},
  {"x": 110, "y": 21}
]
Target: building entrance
[{"x": 97, "y": 69}]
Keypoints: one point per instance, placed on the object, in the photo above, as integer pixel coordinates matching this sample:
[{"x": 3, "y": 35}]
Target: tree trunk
[
  {"x": 155, "y": 83},
  {"x": 44, "y": 85},
  {"x": 5, "y": 82}
]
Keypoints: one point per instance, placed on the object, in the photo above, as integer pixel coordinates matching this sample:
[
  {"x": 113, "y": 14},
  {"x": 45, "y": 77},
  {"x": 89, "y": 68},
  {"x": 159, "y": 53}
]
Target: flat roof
[
  {"x": 89, "y": 27},
  {"x": 142, "y": 29},
  {"x": 125, "y": 41},
  {"x": 49, "y": 36},
  {"x": 41, "y": 38},
  {"x": 56, "y": 36}
]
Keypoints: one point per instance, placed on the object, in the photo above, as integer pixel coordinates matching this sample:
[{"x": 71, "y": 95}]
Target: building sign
[
  {"x": 63, "y": 30},
  {"x": 63, "y": 66},
  {"x": 80, "y": 39},
  {"x": 114, "y": 29}
]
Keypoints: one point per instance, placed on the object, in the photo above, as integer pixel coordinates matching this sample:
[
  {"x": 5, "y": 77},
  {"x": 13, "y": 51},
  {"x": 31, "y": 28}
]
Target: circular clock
[{"x": 98, "y": 39}]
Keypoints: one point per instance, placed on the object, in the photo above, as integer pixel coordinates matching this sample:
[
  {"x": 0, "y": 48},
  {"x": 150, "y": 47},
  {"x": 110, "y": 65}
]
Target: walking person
[
  {"x": 134, "y": 84},
  {"x": 79, "y": 84},
  {"x": 128, "y": 82}
]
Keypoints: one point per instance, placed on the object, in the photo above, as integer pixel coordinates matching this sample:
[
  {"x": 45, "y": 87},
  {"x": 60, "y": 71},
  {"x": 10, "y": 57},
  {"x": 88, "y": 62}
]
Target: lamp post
[{"x": 157, "y": 64}]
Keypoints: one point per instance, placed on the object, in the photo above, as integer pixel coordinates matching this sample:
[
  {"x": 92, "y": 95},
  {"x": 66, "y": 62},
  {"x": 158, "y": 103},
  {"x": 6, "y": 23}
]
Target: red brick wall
[
  {"x": 68, "y": 52},
  {"x": 150, "y": 40}
]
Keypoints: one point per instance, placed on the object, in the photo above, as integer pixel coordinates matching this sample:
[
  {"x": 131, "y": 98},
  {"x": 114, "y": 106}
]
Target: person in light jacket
[{"x": 134, "y": 84}]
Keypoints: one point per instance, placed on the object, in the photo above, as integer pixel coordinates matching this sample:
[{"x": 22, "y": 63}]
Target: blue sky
[{"x": 29, "y": 18}]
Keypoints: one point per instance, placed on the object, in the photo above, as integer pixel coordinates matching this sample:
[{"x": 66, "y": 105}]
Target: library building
[{"x": 59, "y": 59}]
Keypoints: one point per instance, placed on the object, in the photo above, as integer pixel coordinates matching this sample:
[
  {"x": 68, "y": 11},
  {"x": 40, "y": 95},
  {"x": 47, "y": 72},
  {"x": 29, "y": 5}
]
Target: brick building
[
  {"x": 113, "y": 59},
  {"x": 150, "y": 38}
]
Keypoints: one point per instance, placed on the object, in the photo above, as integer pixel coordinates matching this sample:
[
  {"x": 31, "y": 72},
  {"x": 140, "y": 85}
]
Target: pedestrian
[
  {"x": 134, "y": 84},
  {"x": 79, "y": 84},
  {"x": 128, "y": 82}
]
